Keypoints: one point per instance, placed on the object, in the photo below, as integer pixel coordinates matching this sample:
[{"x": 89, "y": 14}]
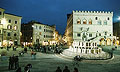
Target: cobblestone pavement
[{"x": 49, "y": 62}]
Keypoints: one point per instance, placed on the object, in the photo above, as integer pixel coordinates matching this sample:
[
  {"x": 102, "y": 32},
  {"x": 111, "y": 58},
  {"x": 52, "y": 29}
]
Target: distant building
[
  {"x": 37, "y": 33},
  {"x": 10, "y": 27},
  {"x": 116, "y": 30}
]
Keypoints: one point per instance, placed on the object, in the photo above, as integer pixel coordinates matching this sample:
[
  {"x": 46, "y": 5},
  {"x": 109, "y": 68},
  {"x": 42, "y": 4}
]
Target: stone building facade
[
  {"x": 37, "y": 33},
  {"x": 10, "y": 27},
  {"x": 90, "y": 26},
  {"x": 86, "y": 30}
]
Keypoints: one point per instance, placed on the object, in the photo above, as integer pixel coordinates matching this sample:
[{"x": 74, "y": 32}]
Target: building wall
[
  {"x": 42, "y": 33},
  {"x": 11, "y": 27},
  {"x": 90, "y": 24}
]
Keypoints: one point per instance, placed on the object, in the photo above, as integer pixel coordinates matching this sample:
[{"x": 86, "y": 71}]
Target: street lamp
[{"x": 119, "y": 18}]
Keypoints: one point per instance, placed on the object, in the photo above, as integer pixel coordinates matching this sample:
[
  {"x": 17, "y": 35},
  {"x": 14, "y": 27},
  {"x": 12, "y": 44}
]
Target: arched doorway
[
  {"x": 102, "y": 41},
  {"x": 108, "y": 41}
]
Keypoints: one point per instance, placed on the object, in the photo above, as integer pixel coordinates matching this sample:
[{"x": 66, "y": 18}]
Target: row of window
[
  {"x": 50, "y": 31},
  {"x": 90, "y": 22},
  {"x": 89, "y": 44},
  {"x": 10, "y": 27},
  {"x": 11, "y": 21},
  {"x": 9, "y": 34},
  {"x": 87, "y": 47},
  {"x": 38, "y": 27},
  {"x": 84, "y": 21},
  {"x": 47, "y": 36},
  {"x": 79, "y": 35},
  {"x": 90, "y": 34}
]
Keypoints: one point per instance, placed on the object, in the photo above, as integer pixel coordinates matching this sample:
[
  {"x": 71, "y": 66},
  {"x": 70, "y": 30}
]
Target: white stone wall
[
  {"x": 39, "y": 33},
  {"x": 94, "y": 27}
]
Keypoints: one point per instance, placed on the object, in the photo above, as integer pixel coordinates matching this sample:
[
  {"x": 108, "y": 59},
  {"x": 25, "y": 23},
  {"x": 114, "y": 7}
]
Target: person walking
[
  {"x": 58, "y": 69},
  {"x": 75, "y": 70},
  {"x": 32, "y": 54},
  {"x": 66, "y": 69}
]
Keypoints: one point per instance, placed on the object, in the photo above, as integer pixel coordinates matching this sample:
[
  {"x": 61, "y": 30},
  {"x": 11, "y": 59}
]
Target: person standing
[
  {"x": 10, "y": 63},
  {"x": 66, "y": 69},
  {"x": 75, "y": 70},
  {"x": 16, "y": 62},
  {"x": 58, "y": 69}
]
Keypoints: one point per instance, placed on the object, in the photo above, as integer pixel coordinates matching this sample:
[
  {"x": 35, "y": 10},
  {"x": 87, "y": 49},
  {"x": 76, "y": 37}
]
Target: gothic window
[
  {"x": 96, "y": 18},
  {"x": 108, "y": 18},
  {"x": 86, "y": 44},
  {"x": 44, "y": 30},
  {"x": 110, "y": 35},
  {"x": 78, "y": 21},
  {"x": 84, "y": 21},
  {"x": 105, "y": 22},
  {"x": 93, "y": 44},
  {"x": 44, "y": 36},
  {"x": 90, "y": 21},
  {"x": 105, "y": 33},
  {"x": 90, "y": 35},
  {"x": 99, "y": 34},
  {"x": 78, "y": 35},
  {"x": 99, "y": 22}
]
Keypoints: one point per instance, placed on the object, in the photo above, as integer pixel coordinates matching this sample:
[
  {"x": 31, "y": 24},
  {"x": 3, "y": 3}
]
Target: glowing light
[
  {"x": 119, "y": 18},
  {"x": 3, "y": 21},
  {"x": 15, "y": 27}
]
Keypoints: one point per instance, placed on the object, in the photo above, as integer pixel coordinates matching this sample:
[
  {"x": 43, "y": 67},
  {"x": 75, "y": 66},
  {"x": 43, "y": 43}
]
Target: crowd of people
[
  {"x": 65, "y": 69},
  {"x": 45, "y": 49}
]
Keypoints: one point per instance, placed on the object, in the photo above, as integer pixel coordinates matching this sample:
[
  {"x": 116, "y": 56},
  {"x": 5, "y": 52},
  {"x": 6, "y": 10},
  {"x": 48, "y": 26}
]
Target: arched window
[
  {"x": 84, "y": 21},
  {"x": 15, "y": 27},
  {"x": 90, "y": 21},
  {"x": 99, "y": 22},
  {"x": 78, "y": 21},
  {"x": 15, "y": 34},
  {"x": 9, "y": 27},
  {"x": 96, "y": 18},
  {"x": 105, "y": 22}
]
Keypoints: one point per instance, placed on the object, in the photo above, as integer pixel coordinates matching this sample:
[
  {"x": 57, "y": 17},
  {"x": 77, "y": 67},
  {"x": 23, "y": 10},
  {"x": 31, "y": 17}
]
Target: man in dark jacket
[
  {"x": 66, "y": 69},
  {"x": 58, "y": 69}
]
